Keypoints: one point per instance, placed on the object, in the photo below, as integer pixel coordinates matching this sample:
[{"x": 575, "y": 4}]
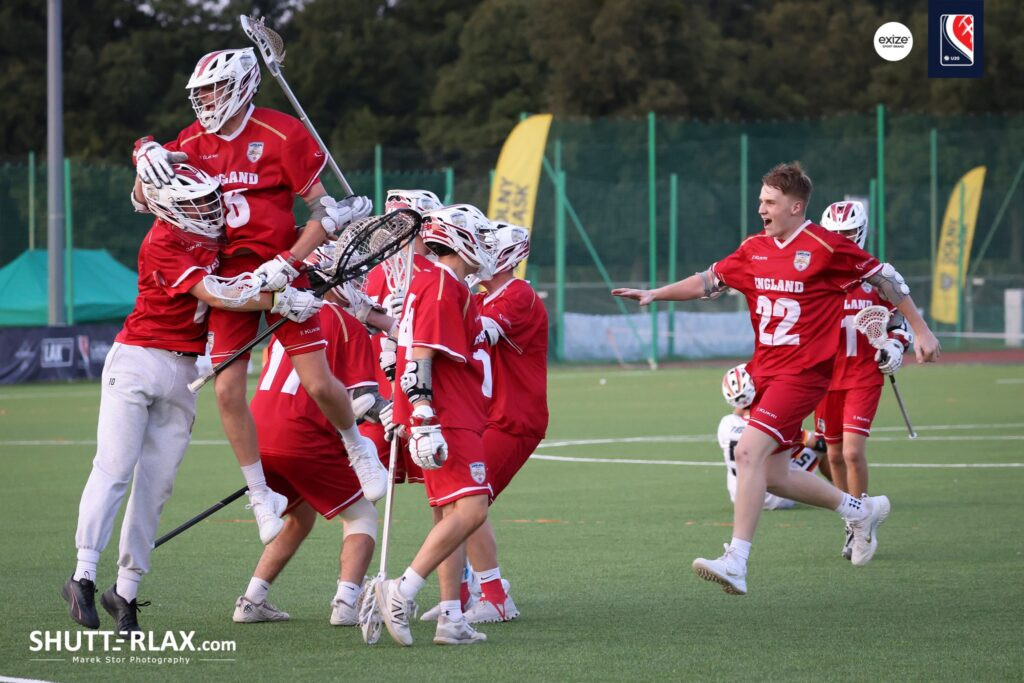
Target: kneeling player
[{"x": 304, "y": 459}]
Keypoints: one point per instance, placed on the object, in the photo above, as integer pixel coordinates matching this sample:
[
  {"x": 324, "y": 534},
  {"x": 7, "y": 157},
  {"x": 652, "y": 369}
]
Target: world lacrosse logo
[{"x": 956, "y": 39}]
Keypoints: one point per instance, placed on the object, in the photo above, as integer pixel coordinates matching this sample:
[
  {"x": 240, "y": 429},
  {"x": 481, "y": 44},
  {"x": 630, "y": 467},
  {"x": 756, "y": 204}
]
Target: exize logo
[
  {"x": 57, "y": 352},
  {"x": 893, "y": 41},
  {"x": 956, "y": 39}
]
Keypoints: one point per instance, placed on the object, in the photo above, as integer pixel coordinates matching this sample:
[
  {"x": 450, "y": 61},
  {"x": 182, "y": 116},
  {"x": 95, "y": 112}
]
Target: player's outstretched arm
[
  {"x": 926, "y": 344},
  {"x": 684, "y": 290}
]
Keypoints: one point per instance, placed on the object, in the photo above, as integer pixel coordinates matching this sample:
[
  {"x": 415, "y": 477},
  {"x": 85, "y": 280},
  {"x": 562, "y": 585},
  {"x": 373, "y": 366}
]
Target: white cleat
[
  {"x": 486, "y": 612},
  {"x": 847, "y": 551},
  {"x": 249, "y": 612},
  {"x": 268, "y": 507},
  {"x": 456, "y": 632},
  {"x": 773, "y": 502},
  {"x": 725, "y": 571},
  {"x": 373, "y": 476},
  {"x": 344, "y": 614},
  {"x": 865, "y": 536},
  {"x": 474, "y": 597},
  {"x": 395, "y": 611}
]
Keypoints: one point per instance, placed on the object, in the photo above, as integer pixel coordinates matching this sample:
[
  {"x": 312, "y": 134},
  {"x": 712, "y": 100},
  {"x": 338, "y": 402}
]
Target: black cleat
[
  {"x": 81, "y": 598},
  {"x": 125, "y": 613}
]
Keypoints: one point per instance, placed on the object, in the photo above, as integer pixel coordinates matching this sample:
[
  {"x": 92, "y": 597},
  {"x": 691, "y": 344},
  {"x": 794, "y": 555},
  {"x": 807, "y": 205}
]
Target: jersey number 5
[{"x": 788, "y": 310}]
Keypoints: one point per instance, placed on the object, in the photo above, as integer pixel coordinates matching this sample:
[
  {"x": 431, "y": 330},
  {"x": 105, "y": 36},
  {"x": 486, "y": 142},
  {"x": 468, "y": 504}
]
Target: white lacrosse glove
[
  {"x": 388, "y": 357},
  {"x": 492, "y": 331},
  {"x": 278, "y": 272},
  {"x": 341, "y": 214},
  {"x": 296, "y": 304},
  {"x": 360, "y": 305},
  {"x": 387, "y": 420},
  {"x": 889, "y": 357},
  {"x": 153, "y": 162},
  {"x": 426, "y": 444},
  {"x": 393, "y": 305}
]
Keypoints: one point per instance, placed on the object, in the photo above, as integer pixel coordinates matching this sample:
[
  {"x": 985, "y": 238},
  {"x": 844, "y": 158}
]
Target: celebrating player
[
  {"x": 795, "y": 276},
  {"x": 263, "y": 158},
  {"x": 445, "y": 381},
  {"x": 146, "y": 408},
  {"x": 844, "y": 416},
  {"x": 304, "y": 459}
]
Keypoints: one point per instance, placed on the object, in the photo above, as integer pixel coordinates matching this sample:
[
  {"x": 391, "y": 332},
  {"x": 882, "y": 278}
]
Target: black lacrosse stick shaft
[{"x": 200, "y": 517}]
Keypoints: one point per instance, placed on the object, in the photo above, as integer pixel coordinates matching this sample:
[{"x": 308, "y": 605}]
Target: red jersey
[
  {"x": 166, "y": 316},
  {"x": 795, "y": 291},
  {"x": 519, "y": 360},
  {"x": 261, "y": 167},
  {"x": 288, "y": 420},
  {"x": 855, "y": 364},
  {"x": 441, "y": 314},
  {"x": 376, "y": 288}
]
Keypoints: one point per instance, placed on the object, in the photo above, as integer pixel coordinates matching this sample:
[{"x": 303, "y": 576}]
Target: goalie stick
[
  {"x": 872, "y": 323},
  {"x": 271, "y": 47},
  {"x": 356, "y": 259}
]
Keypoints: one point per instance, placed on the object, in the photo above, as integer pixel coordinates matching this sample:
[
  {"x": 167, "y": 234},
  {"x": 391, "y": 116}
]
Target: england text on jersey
[{"x": 771, "y": 284}]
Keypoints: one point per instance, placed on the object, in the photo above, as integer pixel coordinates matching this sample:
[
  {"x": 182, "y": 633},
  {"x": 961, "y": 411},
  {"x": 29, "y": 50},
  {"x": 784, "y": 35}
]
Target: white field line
[
  {"x": 1010, "y": 380},
  {"x": 719, "y": 463}
]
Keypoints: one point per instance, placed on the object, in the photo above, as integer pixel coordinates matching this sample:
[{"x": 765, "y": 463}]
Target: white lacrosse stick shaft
[
  {"x": 273, "y": 57},
  {"x": 872, "y": 322}
]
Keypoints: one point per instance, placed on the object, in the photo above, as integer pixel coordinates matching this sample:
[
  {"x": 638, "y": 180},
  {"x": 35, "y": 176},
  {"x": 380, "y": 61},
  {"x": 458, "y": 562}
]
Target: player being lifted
[
  {"x": 844, "y": 416},
  {"x": 305, "y": 460},
  {"x": 445, "y": 381},
  {"x": 264, "y": 159},
  {"x": 795, "y": 276},
  {"x": 146, "y": 408}
]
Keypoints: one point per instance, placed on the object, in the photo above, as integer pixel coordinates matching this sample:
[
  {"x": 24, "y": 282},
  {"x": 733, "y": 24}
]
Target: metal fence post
[
  {"x": 933, "y": 138},
  {"x": 880, "y": 111},
  {"x": 31, "y": 200},
  {"x": 673, "y": 242},
  {"x": 652, "y": 218},
  {"x": 378, "y": 177},
  {"x": 69, "y": 247},
  {"x": 449, "y": 185}
]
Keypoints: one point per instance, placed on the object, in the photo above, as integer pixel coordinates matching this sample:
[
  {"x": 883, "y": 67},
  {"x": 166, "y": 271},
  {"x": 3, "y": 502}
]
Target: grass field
[{"x": 598, "y": 553}]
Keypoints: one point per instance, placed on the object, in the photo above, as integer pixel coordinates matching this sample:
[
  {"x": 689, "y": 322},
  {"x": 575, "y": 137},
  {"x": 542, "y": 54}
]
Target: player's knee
[
  {"x": 231, "y": 395},
  {"x": 359, "y": 518},
  {"x": 855, "y": 455},
  {"x": 747, "y": 457},
  {"x": 473, "y": 510}
]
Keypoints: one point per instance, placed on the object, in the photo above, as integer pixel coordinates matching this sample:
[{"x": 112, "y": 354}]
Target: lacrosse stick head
[
  {"x": 366, "y": 607},
  {"x": 221, "y": 84},
  {"x": 266, "y": 40},
  {"x": 190, "y": 200},
  {"x": 235, "y": 291},
  {"x": 366, "y": 243},
  {"x": 395, "y": 267},
  {"x": 873, "y": 322}
]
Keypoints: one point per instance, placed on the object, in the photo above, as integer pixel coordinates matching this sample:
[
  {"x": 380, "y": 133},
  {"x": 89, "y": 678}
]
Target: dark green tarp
[{"x": 104, "y": 290}]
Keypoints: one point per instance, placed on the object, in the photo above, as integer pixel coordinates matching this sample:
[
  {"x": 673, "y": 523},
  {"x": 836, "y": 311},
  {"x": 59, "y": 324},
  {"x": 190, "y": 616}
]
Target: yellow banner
[
  {"x": 954, "y": 250},
  {"x": 517, "y": 176}
]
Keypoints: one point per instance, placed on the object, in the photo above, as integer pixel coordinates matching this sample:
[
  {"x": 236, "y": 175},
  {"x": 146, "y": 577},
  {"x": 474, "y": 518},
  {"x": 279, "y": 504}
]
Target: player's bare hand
[
  {"x": 643, "y": 296},
  {"x": 927, "y": 347}
]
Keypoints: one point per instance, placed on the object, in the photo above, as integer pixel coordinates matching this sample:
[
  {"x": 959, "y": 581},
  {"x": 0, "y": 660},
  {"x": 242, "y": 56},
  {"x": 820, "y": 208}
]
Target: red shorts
[
  {"x": 231, "y": 330},
  {"x": 406, "y": 471},
  {"x": 847, "y": 410},
  {"x": 506, "y": 454},
  {"x": 783, "y": 401},
  {"x": 463, "y": 474},
  {"x": 327, "y": 483}
]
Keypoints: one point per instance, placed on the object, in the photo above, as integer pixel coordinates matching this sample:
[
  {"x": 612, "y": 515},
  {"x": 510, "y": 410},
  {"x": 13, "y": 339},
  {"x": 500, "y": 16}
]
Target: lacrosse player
[
  {"x": 146, "y": 408},
  {"x": 445, "y": 381},
  {"x": 795, "y": 276},
  {"x": 305, "y": 460},
  {"x": 264, "y": 159},
  {"x": 845, "y": 414}
]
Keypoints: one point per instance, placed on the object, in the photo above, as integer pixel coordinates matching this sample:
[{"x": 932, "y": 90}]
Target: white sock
[
  {"x": 128, "y": 584},
  {"x": 410, "y": 584},
  {"x": 451, "y": 609},
  {"x": 254, "y": 478},
  {"x": 88, "y": 559},
  {"x": 350, "y": 435},
  {"x": 740, "y": 549},
  {"x": 257, "y": 590},
  {"x": 489, "y": 575},
  {"x": 852, "y": 509},
  {"x": 347, "y": 592}
]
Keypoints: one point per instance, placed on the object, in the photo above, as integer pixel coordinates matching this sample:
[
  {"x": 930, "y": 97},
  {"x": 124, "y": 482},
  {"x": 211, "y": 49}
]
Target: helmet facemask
[{"x": 190, "y": 201}]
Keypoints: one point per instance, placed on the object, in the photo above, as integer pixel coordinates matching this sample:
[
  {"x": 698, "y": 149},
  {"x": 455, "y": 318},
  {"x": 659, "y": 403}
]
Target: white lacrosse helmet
[
  {"x": 845, "y": 216},
  {"x": 509, "y": 244},
  {"x": 235, "y": 77},
  {"x": 465, "y": 230},
  {"x": 191, "y": 200},
  {"x": 738, "y": 387},
  {"x": 419, "y": 201}
]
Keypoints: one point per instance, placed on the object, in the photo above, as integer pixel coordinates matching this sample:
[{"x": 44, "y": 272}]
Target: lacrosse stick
[
  {"x": 356, "y": 259},
  {"x": 236, "y": 291},
  {"x": 872, "y": 323},
  {"x": 200, "y": 517},
  {"x": 271, "y": 47},
  {"x": 398, "y": 275}
]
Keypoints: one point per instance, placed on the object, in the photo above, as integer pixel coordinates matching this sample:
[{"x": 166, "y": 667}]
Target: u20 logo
[{"x": 956, "y": 40}]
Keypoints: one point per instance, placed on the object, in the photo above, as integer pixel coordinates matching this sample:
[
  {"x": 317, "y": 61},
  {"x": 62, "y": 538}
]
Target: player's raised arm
[{"x": 703, "y": 285}]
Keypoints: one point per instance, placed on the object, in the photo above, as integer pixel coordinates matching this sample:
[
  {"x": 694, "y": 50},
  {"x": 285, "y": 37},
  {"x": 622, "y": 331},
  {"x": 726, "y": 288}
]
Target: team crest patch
[
  {"x": 866, "y": 286},
  {"x": 255, "y": 151},
  {"x": 478, "y": 472},
  {"x": 802, "y": 260}
]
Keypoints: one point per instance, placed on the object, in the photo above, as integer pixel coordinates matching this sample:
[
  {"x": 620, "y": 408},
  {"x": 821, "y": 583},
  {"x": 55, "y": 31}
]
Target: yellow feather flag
[
  {"x": 954, "y": 251},
  {"x": 517, "y": 176}
]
